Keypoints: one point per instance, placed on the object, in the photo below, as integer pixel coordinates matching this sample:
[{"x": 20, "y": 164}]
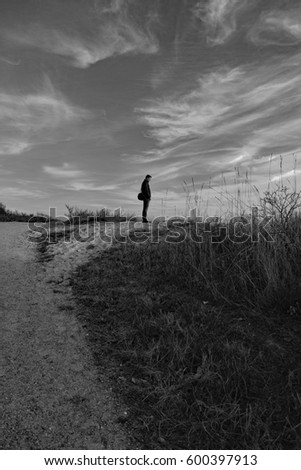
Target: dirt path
[{"x": 53, "y": 396}]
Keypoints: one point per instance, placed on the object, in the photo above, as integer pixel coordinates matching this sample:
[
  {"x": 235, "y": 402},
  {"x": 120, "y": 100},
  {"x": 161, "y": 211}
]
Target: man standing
[{"x": 146, "y": 192}]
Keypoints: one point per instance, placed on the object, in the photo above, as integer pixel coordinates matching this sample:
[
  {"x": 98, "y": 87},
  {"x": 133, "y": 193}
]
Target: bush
[{"x": 2, "y": 208}]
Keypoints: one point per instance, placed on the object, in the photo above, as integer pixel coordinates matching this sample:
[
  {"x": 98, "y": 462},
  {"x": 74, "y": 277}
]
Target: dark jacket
[{"x": 145, "y": 189}]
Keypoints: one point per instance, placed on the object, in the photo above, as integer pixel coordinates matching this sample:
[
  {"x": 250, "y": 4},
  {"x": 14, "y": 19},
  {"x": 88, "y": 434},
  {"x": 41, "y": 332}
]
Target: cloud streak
[
  {"x": 14, "y": 192},
  {"x": 10, "y": 62},
  {"x": 278, "y": 28},
  {"x": 191, "y": 115},
  {"x": 89, "y": 186},
  {"x": 24, "y": 118},
  {"x": 253, "y": 111},
  {"x": 219, "y": 18},
  {"x": 13, "y": 146},
  {"x": 65, "y": 171},
  {"x": 112, "y": 32}
]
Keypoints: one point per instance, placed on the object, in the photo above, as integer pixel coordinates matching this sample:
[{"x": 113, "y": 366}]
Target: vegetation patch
[{"x": 197, "y": 370}]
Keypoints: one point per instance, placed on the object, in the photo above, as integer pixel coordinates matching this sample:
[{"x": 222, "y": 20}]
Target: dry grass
[
  {"x": 195, "y": 373},
  {"x": 202, "y": 339}
]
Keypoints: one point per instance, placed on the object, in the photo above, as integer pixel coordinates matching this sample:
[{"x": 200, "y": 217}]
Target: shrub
[{"x": 2, "y": 208}]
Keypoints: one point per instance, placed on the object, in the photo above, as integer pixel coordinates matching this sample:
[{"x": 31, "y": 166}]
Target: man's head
[{"x": 148, "y": 177}]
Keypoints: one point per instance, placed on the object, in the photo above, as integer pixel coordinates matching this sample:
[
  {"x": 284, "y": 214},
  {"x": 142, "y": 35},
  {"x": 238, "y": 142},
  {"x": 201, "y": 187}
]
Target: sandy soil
[{"x": 54, "y": 398}]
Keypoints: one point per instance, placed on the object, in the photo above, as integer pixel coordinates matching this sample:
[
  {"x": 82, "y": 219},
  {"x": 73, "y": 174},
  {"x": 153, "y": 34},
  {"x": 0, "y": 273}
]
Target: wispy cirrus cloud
[
  {"x": 288, "y": 174},
  {"x": 10, "y": 61},
  {"x": 33, "y": 112},
  {"x": 111, "y": 32},
  {"x": 82, "y": 52},
  {"x": 248, "y": 111},
  {"x": 219, "y": 18},
  {"x": 171, "y": 120},
  {"x": 25, "y": 118},
  {"x": 75, "y": 180},
  {"x": 13, "y": 146},
  {"x": 149, "y": 156},
  {"x": 89, "y": 186},
  {"x": 281, "y": 28},
  {"x": 65, "y": 171},
  {"x": 14, "y": 192}
]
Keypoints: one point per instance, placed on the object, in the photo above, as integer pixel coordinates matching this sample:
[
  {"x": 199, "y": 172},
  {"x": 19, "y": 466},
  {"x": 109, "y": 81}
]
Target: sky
[{"x": 95, "y": 94}]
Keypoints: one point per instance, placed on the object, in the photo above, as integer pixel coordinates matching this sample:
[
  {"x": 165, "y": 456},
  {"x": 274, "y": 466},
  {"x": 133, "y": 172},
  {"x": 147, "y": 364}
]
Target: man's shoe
[{"x": 145, "y": 221}]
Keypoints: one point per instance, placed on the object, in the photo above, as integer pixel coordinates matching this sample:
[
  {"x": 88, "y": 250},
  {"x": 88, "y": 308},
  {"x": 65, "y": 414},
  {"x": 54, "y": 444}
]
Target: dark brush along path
[{"x": 53, "y": 397}]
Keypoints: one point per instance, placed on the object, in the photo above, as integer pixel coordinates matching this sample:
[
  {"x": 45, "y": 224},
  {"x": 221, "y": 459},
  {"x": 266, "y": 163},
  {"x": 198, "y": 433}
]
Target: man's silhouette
[{"x": 146, "y": 192}]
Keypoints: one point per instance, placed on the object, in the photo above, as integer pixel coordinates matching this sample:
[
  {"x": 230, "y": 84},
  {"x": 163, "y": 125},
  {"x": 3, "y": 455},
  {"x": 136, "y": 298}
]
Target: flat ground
[{"x": 54, "y": 398}]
